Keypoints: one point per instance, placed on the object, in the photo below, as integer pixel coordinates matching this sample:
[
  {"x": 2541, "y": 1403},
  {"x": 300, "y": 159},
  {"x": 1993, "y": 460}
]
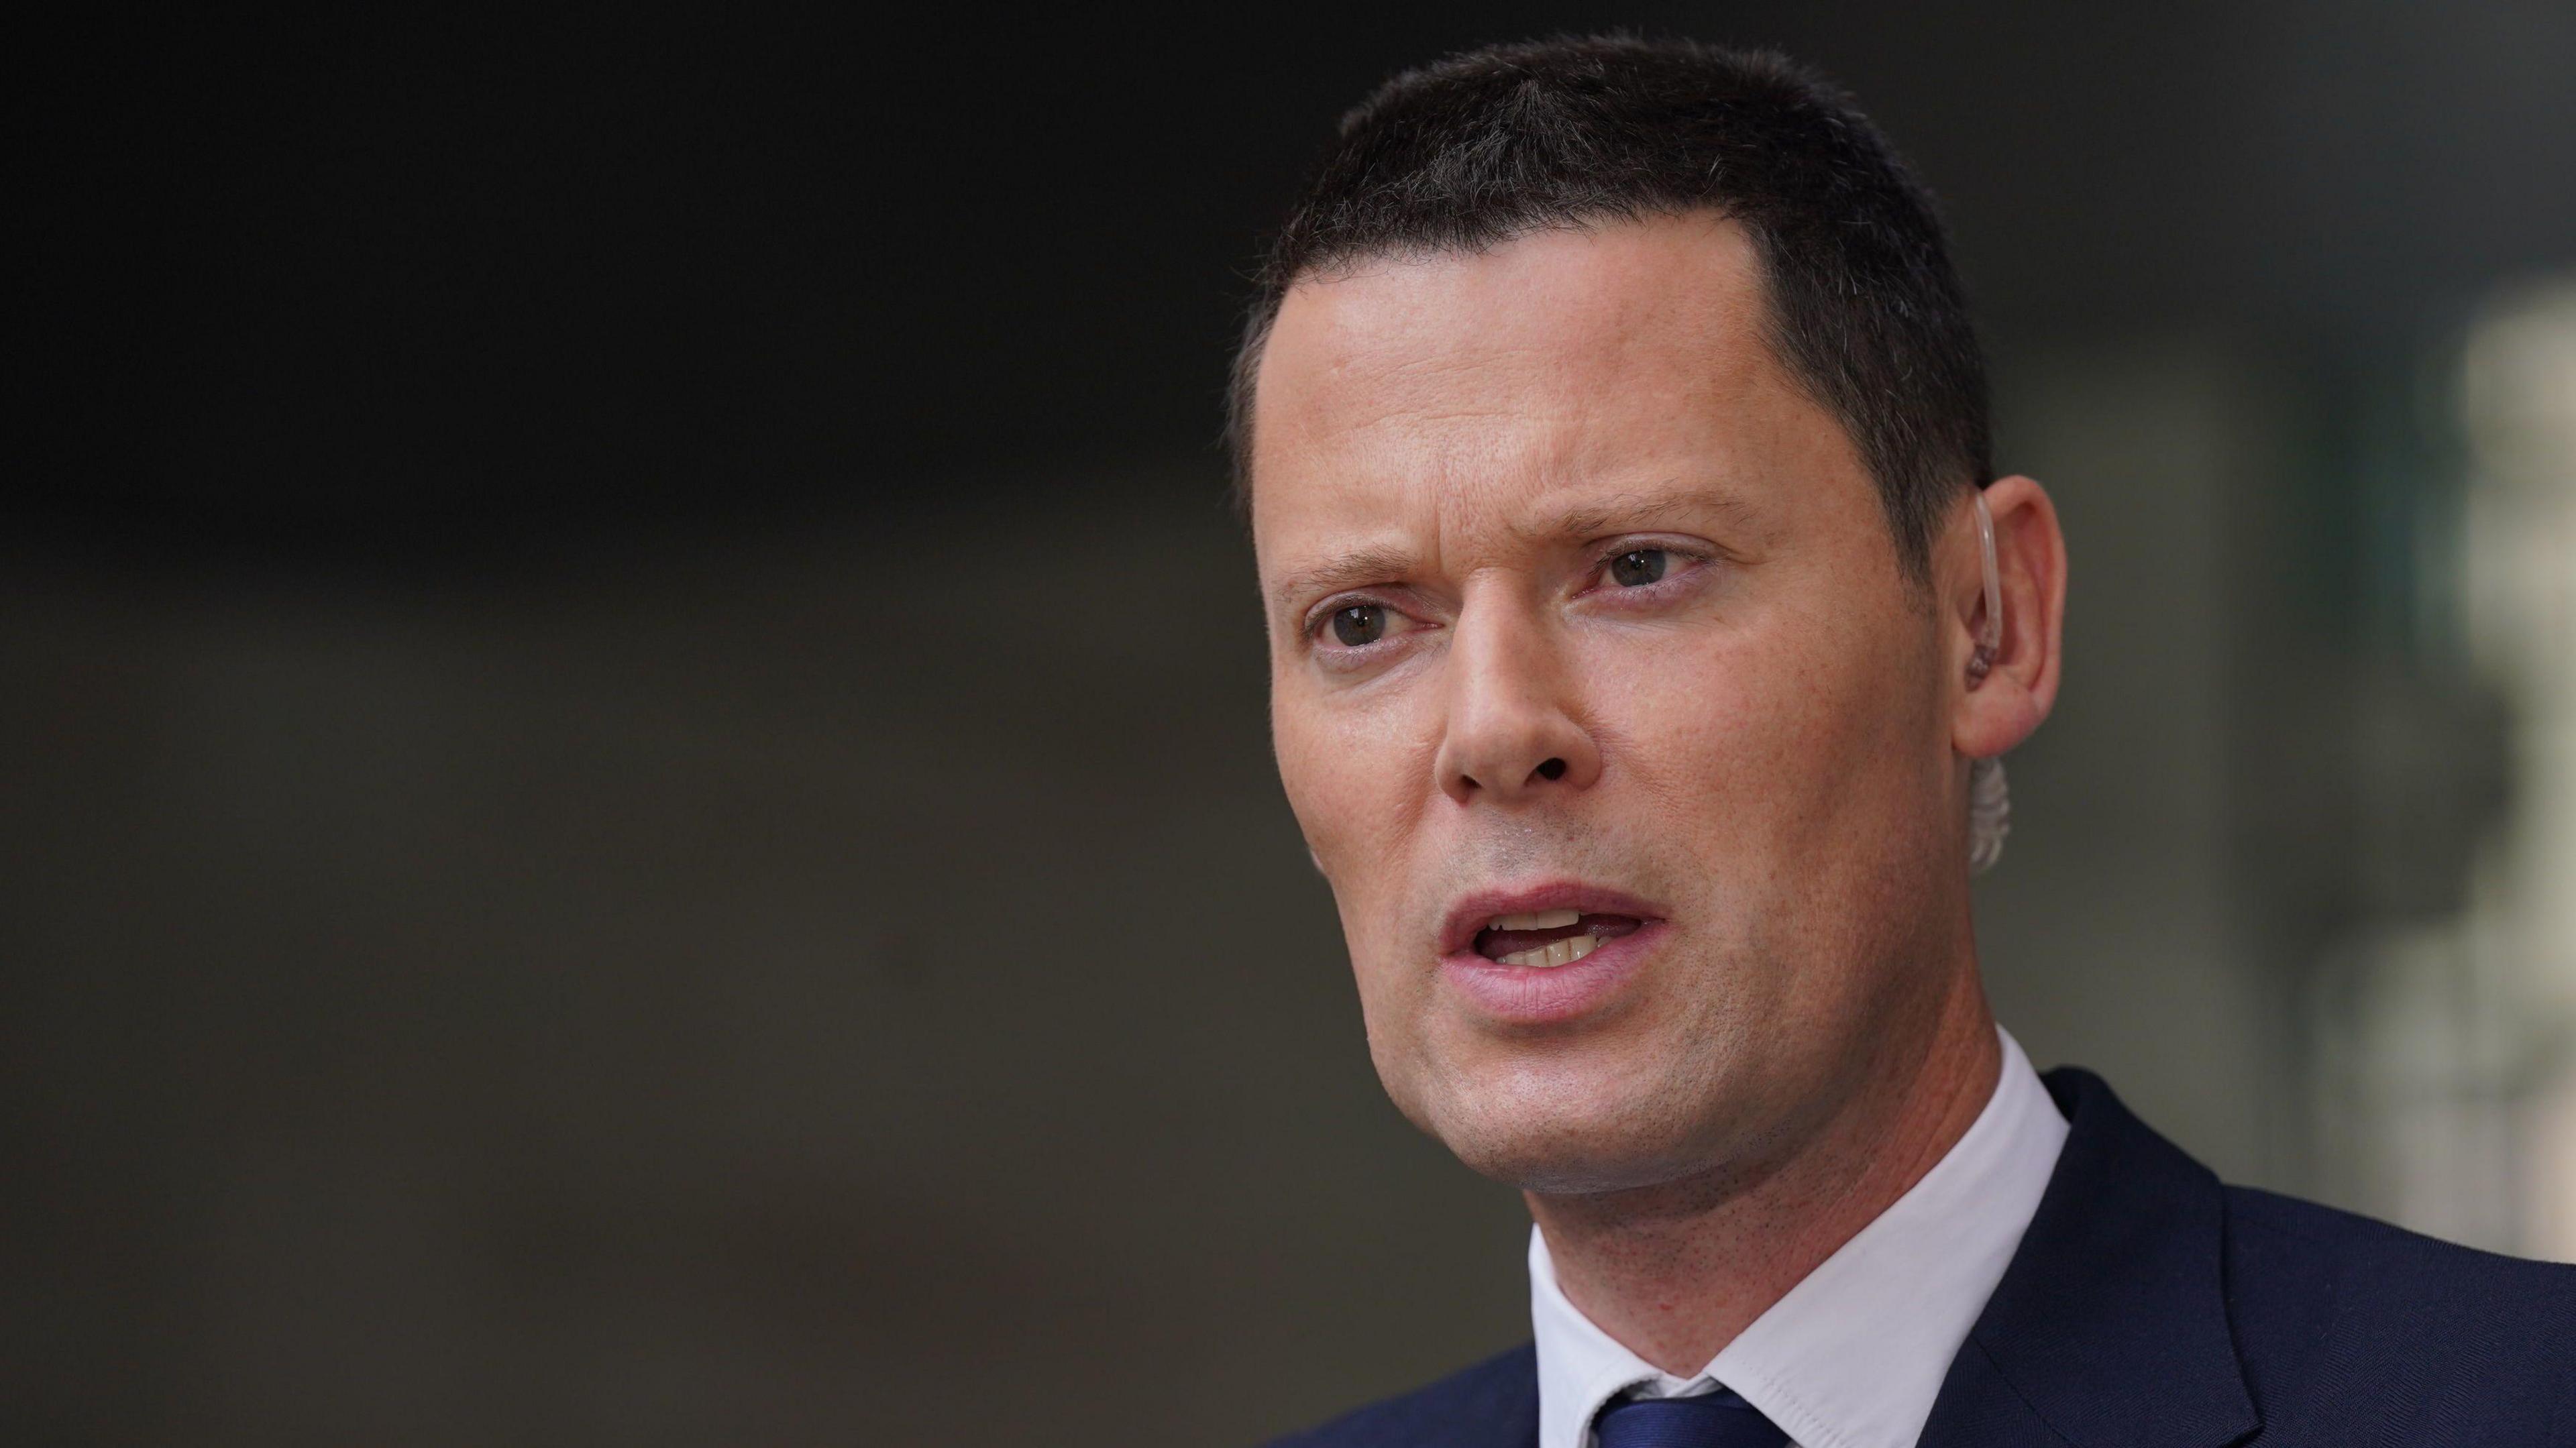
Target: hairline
[{"x": 1914, "y": 564}]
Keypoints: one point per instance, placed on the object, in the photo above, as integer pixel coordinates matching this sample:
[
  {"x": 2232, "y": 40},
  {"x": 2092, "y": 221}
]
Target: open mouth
[{"x": 1549, "y": 938}]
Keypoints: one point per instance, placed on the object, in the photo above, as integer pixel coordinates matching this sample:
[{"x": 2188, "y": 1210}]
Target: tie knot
[{"x": 1712, "y": 1420}]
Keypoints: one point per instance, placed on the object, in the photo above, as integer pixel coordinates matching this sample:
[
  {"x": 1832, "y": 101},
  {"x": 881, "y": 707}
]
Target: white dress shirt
[{"x": 1854, "y": 1354}]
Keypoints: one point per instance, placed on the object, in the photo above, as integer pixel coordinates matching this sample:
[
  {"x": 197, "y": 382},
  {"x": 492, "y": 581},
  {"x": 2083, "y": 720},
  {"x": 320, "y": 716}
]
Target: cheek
[
  {"x": 1349, "y": 770},
  {"x": 1748, "y": 745},
  {"x": 1717, "y": 731},
  {"x": 1349, "y": 775}
]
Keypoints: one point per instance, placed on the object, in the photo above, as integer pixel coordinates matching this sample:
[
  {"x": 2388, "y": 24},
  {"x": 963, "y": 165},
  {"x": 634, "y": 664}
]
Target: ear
[{"x": 1989, "y": 716}]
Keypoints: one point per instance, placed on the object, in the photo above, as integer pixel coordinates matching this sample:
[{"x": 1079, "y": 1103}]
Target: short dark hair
[{"x": 1492, "y": 144}]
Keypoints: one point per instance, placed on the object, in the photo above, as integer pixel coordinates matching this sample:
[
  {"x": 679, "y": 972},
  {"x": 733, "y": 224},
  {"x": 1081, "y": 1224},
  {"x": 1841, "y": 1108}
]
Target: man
[{"x": 1644, "y": 617}]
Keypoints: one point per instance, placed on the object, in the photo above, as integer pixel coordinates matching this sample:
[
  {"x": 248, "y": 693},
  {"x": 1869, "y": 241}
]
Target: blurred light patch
[{"x": 2517, "y": 411}]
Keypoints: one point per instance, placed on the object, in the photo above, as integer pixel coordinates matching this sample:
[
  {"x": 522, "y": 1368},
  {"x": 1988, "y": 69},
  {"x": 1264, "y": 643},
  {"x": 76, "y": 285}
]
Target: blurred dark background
[{"x": 637, "y": 804}]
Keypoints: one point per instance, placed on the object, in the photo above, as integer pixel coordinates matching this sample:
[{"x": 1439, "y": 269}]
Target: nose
[{"x": 1512, "y": 731}]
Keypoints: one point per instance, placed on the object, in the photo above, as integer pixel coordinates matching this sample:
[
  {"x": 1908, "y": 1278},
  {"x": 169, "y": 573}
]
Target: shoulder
[
  {"x": 2144, "y": 1289},
  {"x": 2364, "y": 1271},
  {"x": 2325, "y": 1302},
  {"x": 1493, "y": 1404}
]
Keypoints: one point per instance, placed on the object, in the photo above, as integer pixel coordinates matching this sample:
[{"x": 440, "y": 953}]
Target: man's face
[{"x": 1578, "y": 604}]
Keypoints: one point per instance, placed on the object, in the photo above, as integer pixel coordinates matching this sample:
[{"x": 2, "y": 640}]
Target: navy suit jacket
[{"x": 2150, "y": 1305}]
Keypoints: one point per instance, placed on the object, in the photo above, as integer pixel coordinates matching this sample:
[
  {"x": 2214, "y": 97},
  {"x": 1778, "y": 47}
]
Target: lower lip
[{"x": 1539, "y": 995}]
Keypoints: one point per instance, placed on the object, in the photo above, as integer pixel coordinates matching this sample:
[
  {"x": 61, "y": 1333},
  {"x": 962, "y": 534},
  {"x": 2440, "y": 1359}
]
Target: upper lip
[{"x": 1467, "y": 917}]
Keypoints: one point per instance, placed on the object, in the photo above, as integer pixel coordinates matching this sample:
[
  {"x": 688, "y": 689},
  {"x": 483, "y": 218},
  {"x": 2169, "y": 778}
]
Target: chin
[{"x": 1539, "y": 1137}]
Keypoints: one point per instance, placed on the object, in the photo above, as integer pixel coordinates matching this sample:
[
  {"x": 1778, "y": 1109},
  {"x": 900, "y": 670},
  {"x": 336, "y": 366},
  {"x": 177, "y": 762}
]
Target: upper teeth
[{"x": 1537, "y": 920}]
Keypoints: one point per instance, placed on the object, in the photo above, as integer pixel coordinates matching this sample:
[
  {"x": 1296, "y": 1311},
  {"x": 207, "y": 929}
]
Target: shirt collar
[{"x": 1852, "y": 1356}]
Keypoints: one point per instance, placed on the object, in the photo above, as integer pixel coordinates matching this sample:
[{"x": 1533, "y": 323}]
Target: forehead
[{"x": 1609, "y": 357}]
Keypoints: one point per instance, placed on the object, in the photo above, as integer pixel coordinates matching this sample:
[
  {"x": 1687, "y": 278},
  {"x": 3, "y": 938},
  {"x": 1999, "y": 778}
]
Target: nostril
[{"x": 1552, "y": 769}]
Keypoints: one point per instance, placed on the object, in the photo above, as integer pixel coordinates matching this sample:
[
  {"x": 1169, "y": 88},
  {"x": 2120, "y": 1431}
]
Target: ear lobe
[{"x": 2008, "y": 650}]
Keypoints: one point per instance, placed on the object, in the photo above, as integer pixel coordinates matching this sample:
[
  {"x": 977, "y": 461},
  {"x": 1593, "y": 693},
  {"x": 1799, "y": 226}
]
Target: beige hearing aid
[
  {"x": 1990, "y": 636},
  {"x": 1989, "y": 804}
]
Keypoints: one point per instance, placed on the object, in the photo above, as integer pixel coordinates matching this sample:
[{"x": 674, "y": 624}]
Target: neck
[{"x": 1675, "y": 1271}]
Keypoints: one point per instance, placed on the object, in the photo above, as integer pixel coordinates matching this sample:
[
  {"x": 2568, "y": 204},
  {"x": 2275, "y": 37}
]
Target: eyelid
[
  {"x": 1610, "y": 548},
  {"x": 1389, "y": 598},
  {"x": 1323, "y": 612},
  {"x": 1693, "y": 549}
]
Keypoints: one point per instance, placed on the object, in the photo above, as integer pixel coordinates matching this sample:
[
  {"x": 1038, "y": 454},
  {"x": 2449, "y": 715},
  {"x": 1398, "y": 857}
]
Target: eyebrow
[
  {"x": 1622, "y": 512},
  {"x": 1373, "y": 564}
]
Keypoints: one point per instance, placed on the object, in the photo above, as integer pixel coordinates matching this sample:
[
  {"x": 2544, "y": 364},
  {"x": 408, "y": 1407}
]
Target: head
[{"x": 1608, "y": 423}]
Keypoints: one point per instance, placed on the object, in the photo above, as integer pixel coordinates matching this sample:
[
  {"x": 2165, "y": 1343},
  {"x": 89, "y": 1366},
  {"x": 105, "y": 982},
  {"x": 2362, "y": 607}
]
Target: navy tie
[{"x": 1711, "y": 1420}]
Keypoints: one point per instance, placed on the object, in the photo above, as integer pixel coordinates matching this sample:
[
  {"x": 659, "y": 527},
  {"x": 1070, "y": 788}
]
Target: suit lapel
[{"x": 2110, "y": 1326}]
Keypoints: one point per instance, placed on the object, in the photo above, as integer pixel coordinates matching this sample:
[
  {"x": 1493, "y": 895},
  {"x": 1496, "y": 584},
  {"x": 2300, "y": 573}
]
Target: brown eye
[
  {"x": 1638, "y": 567},
  {"x": 1361, "y": 623}
]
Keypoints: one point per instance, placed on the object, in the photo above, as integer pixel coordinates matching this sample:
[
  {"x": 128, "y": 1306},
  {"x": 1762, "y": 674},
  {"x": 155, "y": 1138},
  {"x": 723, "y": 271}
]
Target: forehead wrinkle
[{"x": 1622, "y": 511}]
